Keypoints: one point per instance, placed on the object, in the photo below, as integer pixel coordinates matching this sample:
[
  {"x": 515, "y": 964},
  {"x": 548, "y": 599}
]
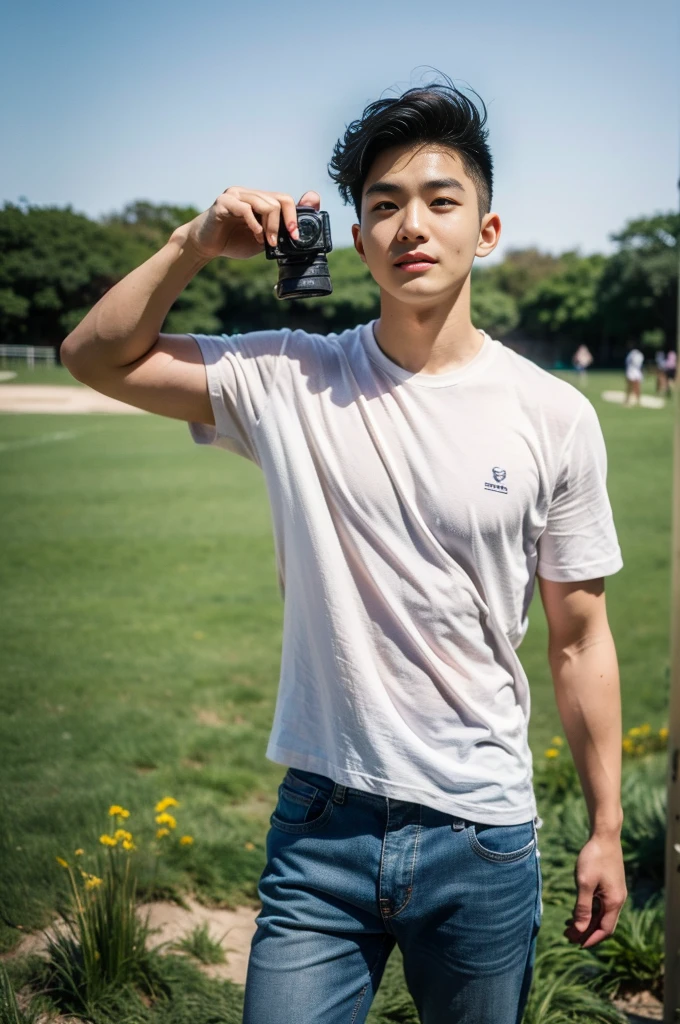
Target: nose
[{"x": 412, "y": 227}]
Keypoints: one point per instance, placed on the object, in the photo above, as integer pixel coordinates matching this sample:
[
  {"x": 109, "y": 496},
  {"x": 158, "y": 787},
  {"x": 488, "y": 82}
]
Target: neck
[{"x": 432, "y": 339}]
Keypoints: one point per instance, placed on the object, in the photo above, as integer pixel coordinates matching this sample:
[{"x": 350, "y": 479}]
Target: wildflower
[
  {"x": 166, "y": 819},
  {"x": 79, "y": 852},
  {"x": 92, "y": 882},
  {"x": 97, "y": 954},
  {"x": 635, "y": 731},
  {"x": 186, "y": 840},
  {"x": 128, "y": 844},
  {"x": 62, "y": 862},
  {"x": 645, "y": 729},
  {"x": 552, "y": 752},
  {"x": 663, "y": 733},
  {"x": 162, "y": 832},
  {"x": 249, "y": 846},
  {"x": 167, "y": 801},
  {"x": 107, "y": 840},
  {"x": 121, "y": 834},
  {"x": 557, "y": 741},
  {"x": 628, "y": 745},
  {"x": 115, "y": 810}
]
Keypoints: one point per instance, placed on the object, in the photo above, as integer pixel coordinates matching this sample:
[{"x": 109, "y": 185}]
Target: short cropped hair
[{"x": 436, "y": 113}]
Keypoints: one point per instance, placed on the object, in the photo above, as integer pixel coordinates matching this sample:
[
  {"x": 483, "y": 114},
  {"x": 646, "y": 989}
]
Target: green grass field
[{"x": 141, "y": 630}]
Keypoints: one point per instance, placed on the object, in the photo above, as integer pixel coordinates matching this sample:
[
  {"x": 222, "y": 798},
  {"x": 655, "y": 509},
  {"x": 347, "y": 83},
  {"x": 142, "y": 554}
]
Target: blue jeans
[{"x": 349, "y": 874}]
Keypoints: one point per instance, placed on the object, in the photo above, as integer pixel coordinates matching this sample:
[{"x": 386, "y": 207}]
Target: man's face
[{"x": 419, "y": 199}]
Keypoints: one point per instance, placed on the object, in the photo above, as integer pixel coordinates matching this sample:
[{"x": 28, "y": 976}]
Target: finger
[
  {"x": 231, "y": 205},
  {"x": 583, "y": 910},
  {"x": 289, "y": 214},
  {"x": 269, "y": 210},
  {"x": 311, "y": 199}
]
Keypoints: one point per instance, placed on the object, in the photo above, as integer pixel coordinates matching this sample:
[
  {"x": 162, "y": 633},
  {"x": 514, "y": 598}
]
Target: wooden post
[{"x": 671, "y": 1005}]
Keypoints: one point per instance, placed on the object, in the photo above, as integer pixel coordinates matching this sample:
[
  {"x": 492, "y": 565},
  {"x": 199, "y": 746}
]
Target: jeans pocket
[
  {"x": 305, "y": 802},
  {"x": 502, "y": 843}
]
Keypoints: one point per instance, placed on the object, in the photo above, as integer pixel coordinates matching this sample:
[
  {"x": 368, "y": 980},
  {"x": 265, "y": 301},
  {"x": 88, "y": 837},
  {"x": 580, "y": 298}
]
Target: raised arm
[{"x": 118, "y": 348}]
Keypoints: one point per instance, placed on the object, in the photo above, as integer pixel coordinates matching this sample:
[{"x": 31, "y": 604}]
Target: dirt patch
[
  {"x": 641, "y": 1007},
  {"x": 49, "y": 398},
  {"x": 169, "y": 923}
]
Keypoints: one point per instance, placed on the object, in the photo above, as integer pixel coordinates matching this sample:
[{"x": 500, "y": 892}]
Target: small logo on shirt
[{"x": 499, "y": 476}]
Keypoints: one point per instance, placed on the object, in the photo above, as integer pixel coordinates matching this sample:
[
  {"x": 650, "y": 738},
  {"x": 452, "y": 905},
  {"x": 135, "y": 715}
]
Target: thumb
[
  {"x": 582, "y": 911},
  {"x": 311, "y": 199}
]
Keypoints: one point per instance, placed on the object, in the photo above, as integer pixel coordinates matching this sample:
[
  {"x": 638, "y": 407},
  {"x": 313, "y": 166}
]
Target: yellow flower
[
  {"x": 121, "y": 833},
  {"x": 128, "y": 844},
  {"x": 97, "y": 954},
  {"x": 166, "y": 819},
  {"x": 62, "y": 862},
  {"x": 645, "y": 729},
  {"x": 167, "y": 801},
  {"x": 635, "y": 731},
  {"x": 92, "y": 882},
  {"x": 628, "y": 745},
  {"x": 552, "y": 752},
  {"x": 186, "y": 840},
  {"x": 115, "y": 810},
  {"x": 162, "y": 832},
  {"x": 107, "y": 840},
  {"x": 557, "y": 741},
  {"x": 663, "y": 733},
  {"x": 250, "y": 846},
  {"x": 79, "y": 852}
]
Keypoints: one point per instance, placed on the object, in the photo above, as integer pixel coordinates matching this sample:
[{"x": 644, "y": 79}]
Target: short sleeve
[
  {"x": 580, "y": 540},
  {"x": 241, "y": 372}
]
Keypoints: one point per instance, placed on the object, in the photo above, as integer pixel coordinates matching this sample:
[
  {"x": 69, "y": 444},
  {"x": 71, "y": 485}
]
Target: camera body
[{"x": 303, "y": 267}]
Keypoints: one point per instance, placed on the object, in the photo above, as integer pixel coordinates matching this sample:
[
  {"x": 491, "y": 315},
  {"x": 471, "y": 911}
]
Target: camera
[{"x": 303, "y": 267}]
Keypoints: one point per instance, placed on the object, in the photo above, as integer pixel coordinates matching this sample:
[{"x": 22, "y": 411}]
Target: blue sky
[{"x": 103, "y": 104}]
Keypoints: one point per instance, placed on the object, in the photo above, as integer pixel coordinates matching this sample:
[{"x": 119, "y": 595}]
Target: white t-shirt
[
  {"x": 634, "y": 363},
  {"x": 410, "y": 513}
]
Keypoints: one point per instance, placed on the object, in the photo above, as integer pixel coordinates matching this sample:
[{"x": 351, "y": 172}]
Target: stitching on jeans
[
  {"x": 360, "y": 997},
  {"x": 409, "y": 889}
]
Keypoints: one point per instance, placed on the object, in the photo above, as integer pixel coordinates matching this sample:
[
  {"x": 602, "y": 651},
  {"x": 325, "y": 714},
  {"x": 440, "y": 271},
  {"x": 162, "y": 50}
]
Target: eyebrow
[{"x": 389, "y": 187}]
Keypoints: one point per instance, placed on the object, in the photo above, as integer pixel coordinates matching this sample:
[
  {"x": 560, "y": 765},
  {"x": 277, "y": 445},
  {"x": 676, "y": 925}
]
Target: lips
[{"x": 414, "y": 257}]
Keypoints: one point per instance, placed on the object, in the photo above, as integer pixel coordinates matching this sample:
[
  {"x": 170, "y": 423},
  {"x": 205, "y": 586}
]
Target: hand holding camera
[{"x": 242, "y": 222}]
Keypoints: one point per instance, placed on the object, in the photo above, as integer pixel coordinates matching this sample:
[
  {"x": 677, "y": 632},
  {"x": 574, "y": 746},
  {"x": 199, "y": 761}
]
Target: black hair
[{"x": 436, "y": 113}]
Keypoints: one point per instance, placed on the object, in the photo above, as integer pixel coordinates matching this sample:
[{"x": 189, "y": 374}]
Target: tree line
[{"x": 55, "y": 263}]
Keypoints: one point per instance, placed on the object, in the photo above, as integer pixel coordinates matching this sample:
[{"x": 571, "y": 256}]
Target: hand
[
  {"x": 601, "y": 891},
  {"x": 236, "y": 223}
]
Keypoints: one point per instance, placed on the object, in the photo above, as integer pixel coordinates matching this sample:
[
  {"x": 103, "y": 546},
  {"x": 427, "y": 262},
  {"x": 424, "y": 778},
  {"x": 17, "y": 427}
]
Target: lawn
[{"x": 141, "y": 629}]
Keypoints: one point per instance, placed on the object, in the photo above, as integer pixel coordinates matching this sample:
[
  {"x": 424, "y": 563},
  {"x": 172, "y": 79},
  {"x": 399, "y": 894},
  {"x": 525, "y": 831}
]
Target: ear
[
  {"x": 489, "y": 234},
  {"x": 358, "y": 244}
]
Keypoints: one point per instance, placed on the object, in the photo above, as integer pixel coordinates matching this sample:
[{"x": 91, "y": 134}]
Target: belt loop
[
  {"x": 339, "y": 793},
  {"x": 458, "y": 824}
]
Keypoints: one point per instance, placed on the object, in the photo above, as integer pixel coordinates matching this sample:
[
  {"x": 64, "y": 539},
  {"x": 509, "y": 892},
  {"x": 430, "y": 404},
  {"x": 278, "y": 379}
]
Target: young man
[{"x": 420, "y": 475}]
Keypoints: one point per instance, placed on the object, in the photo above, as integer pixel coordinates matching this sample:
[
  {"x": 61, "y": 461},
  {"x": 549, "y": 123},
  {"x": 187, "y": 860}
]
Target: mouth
[{"x": 414, "y": 261}]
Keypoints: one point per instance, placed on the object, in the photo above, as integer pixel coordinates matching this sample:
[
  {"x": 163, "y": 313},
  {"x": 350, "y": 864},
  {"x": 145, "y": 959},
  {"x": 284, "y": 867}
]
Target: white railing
[{"x": 29, "y": 353}]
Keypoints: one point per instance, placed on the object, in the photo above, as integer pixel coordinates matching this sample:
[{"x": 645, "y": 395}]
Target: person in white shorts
[
  {"x": 634, "y": 363},
  {"x": 423, "y": 478}
]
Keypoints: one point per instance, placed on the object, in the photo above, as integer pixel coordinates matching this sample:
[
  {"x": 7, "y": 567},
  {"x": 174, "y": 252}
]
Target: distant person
[
  {"x": 634, "y": 363},
  {"x": 670, "y": 367},
  {"x": 582, "y": 359},
  {"x": 422, "y": 476},
  {"x": 661, "y": 378}
]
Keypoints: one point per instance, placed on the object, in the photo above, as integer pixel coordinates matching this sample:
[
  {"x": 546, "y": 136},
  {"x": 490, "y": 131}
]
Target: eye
[
  {"x": 443, "y": 199},
  {"x": 385, "y": 202}
]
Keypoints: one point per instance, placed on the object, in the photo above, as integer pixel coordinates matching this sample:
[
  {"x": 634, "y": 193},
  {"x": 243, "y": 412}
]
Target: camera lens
[{"x": 310, "y": 230}]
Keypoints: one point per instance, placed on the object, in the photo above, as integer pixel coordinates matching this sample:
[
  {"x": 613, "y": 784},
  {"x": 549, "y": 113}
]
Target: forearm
[
  {"x": 125, "y": 323},
  {"x": 587, "y": 691}
]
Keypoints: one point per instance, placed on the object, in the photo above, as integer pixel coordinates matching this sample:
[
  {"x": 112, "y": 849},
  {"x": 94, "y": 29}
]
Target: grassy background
[{"x": 140, "y": 631}]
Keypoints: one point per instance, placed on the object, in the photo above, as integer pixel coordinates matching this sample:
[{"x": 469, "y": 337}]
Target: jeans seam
[
  {"x": 360, "y": 997},
  {"x": 409, "y": 888}
]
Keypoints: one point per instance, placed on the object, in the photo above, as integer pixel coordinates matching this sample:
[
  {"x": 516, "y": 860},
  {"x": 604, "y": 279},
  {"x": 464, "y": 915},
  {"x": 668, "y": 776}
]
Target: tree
[{"x": 638, "y": 292}]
